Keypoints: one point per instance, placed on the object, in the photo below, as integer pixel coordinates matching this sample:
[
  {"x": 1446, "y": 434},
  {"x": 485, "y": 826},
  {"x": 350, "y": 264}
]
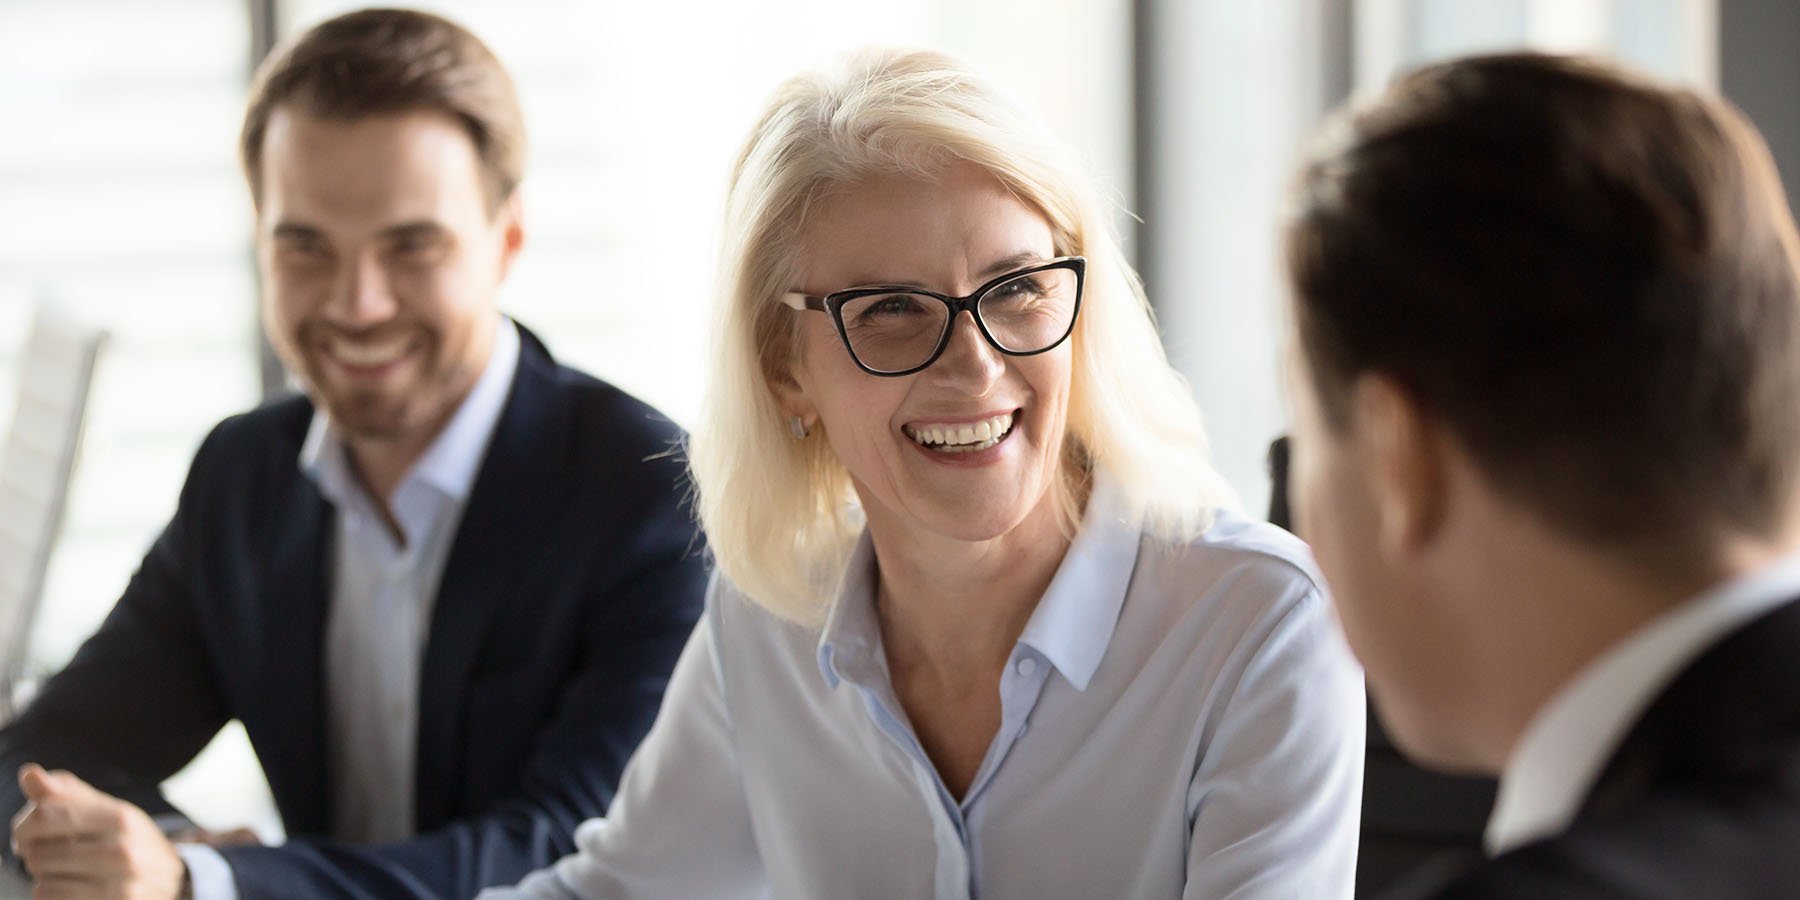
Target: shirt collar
[
  {"x": 453, "y": 458},
  {"x": 323, "y": 459},
  {"x": 1074, "y": 621},
  {"x": 451, "y": 462},
  {"x": 1071, "y": 626},
  {"x": 1567, "y": 743},
  {"x": 850, "y": 644}
]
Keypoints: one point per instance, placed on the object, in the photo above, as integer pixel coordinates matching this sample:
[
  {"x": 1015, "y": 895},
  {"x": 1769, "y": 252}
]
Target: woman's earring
[{"x": 797, "y": 426}]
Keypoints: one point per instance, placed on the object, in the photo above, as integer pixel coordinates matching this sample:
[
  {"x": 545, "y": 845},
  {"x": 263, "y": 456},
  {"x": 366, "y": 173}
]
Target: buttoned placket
[
  {"x": 956, "y": 876},
  {"x": 415, "y": 507},
  {"x": 395, "y": 613},
  {"x": 395, "y": 610}
]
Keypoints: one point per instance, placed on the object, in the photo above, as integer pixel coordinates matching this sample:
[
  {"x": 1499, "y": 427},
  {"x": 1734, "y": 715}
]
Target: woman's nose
[{"x": 968, "y": 356}]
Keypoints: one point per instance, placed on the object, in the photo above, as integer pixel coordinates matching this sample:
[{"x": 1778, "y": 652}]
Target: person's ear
[
  {"x": 788, "y": 386},
  {"x": 510, "y": 219},
  {"x": 1404, "y": 464}
]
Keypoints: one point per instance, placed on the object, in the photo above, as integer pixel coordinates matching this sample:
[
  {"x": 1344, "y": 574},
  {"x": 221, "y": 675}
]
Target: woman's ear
[
  {"x": 787, "y": 384},
  {"x": 1404, "y": 464}
]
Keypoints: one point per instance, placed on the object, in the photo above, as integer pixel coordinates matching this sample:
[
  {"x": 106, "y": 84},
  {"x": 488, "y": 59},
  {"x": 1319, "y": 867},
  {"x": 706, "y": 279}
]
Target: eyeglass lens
[{"x": 899, "y": 330}]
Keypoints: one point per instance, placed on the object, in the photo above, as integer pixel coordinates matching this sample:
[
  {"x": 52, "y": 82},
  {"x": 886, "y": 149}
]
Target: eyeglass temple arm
[{"x": 797, "y": 300}]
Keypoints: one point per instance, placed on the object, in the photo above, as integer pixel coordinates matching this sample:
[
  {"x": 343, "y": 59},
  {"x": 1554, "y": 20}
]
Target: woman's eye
[
  {"x": 1021, "y": 289},
  {"x": 891, "y": 307}
]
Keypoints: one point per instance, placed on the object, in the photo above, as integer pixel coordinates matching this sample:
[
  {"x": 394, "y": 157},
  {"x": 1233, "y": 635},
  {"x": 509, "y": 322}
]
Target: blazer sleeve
[
  {"x": 602, "y": 714},
  {"x": 138, "y": 700}
]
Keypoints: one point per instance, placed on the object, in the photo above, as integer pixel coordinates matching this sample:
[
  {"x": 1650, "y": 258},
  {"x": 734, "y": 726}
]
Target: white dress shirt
[
  {"x": 1175, "y": 722},
  {"x": 1563, "y": 749},
  {"x": 382, "y": 590}
]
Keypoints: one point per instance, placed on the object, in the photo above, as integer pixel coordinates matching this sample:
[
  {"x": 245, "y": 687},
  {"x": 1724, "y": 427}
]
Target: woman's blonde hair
[{"x": 779, "y": 512}]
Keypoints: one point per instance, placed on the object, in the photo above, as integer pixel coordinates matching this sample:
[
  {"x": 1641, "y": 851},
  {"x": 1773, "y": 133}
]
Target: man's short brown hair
[
  {"x": 1592, "y": 280},
  {"x": 390, "y": 61}
]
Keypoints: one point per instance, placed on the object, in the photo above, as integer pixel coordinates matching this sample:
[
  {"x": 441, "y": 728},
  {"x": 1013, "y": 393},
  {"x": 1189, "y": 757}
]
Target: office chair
[{"x": 37, "y": 463}]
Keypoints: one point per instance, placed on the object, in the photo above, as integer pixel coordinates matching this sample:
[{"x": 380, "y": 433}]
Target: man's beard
[
  {"x": 385, "y": 413},
  {"x": 372, "y": 415}
]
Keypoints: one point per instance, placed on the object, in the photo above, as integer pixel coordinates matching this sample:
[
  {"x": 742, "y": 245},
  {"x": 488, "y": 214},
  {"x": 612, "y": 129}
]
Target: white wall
[{"x": 1238, "y": 88}]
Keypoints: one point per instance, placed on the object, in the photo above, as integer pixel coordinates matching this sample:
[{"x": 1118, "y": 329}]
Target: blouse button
[{"x": 1027, "y": 666}]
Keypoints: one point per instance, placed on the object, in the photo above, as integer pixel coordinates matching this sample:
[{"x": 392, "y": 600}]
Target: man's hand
[{"x": 79, "y": 843}]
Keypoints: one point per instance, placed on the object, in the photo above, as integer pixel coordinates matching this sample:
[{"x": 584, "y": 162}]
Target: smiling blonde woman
[{"x": 985, "y": 624}]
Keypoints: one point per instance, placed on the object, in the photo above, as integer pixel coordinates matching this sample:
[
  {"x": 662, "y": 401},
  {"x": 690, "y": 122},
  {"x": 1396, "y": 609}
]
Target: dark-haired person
[
  {"x": 443, "y": 590},
  {"x": 1548, "y": 323}
]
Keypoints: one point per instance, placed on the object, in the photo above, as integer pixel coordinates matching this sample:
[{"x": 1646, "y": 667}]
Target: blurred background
[{"x": 121, "y": 202}]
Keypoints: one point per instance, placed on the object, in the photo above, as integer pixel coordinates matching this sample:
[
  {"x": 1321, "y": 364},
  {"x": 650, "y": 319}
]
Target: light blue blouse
[{"x": 1177, "y": 721}]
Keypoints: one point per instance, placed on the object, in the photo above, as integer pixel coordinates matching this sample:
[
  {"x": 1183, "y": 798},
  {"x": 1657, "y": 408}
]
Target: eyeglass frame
[{"x": 833, "y": 305}]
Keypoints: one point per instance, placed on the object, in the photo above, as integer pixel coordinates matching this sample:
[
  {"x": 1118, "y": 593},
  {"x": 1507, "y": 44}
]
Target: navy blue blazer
[
  {"x": 1701, "y": 800},
  {"x": 574, "y": 579}
]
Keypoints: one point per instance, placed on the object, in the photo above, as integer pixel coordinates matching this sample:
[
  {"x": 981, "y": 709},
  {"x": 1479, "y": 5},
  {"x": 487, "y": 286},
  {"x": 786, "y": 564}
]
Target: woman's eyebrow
[
  {"x": 997, "y": 267},
  {"x": 1007, "y": 264}
]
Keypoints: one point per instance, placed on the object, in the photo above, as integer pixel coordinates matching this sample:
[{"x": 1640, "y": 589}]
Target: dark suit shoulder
[
  {"x": 605, "y": 407},
  {"x": 585, "y": 448},
  {"x": 1702, "y": 799},
  {"x": 247, "y": 465},
  {"x": 277, "y": 426},
  {"x": 1725, "y": 843}
]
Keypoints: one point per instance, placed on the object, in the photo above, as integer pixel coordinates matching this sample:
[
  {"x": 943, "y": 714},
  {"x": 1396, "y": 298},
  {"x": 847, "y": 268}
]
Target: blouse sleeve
[
  {"x": 679, "y": 827},
  {"x": 1275, "y": 801}
]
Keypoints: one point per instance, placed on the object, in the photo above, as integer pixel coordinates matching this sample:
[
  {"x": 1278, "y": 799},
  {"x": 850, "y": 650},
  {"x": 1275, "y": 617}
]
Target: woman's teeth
[{"x": 964, "y": 438}]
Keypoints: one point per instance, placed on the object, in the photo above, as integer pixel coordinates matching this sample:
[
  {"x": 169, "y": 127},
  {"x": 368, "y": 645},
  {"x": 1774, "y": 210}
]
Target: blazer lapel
[
  {"x": 293, "y": 648},
  {"x": 511, "y": 506}
]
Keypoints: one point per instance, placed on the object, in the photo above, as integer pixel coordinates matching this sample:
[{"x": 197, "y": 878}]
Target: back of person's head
[
  {"x": 780, "y": 512},
  {"x": 388, "y": 62},
  {"x": 1588, "y": 279}
]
